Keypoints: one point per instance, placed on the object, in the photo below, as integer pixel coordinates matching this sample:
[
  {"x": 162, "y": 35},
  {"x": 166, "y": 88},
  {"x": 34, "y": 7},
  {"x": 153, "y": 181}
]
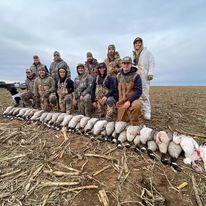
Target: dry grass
[{"x": 39, "y": 166}]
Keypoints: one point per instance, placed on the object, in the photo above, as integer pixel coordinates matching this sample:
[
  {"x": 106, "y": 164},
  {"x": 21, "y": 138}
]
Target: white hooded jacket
[{"x": 146, "y": 64}]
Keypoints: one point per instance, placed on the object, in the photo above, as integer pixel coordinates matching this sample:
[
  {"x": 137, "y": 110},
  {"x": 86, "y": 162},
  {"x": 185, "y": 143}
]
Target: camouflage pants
[
  {"x": 132, "y": 114},
  {"x": 65, "y": 103},
  {"x": 84, "y": 106},
  {"x": 107, "y": 109},
  {"x": 47, "y": 103},
  {"x": 28, "y": 99}
]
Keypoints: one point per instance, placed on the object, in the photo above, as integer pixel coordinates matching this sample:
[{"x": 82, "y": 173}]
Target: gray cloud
[{"x": 174, "y": 32}]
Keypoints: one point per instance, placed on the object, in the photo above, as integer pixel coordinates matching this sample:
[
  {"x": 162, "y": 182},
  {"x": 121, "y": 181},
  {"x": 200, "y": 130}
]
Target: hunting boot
[
  {"x": 110, "y": 112},
  {"x": 81, "y": 107},
  {"x": 87, "y": 108},
  {"x": 69, "y": 109},
  {"x": 62, "y": 105},
  {"x": 54, "y": 107},
  {"x": 47, "y": 108},
  {"x": 101, "y": 110},
  {"x": 27, "y": 99},
  {"x": 37, "y": 103}
]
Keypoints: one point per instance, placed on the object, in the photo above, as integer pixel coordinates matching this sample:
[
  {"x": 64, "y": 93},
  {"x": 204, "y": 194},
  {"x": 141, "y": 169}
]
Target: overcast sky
[{"x": 174, "y": 31}]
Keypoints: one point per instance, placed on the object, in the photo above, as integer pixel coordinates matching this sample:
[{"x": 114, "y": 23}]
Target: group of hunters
[{"x": 116, "y": 88}]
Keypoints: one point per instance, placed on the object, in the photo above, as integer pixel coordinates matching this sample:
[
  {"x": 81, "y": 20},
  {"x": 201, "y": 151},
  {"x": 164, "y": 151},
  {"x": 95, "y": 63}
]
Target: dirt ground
[{"x": 40, "y": 166}]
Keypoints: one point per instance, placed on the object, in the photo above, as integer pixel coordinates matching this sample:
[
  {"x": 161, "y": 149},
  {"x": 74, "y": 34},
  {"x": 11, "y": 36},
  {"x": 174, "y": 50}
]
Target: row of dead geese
[{"x": 145, "y": 139}]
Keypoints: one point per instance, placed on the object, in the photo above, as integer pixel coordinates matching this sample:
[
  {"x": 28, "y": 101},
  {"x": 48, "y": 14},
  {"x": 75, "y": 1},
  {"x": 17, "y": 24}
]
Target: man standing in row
[
  {"x": 37, "y": 63},
  {"x": 56, "y": 64},
  {"x": 91, "y": 64},
  {"x": 144, "y": 61},
  {"x": 113, "y": 61}
]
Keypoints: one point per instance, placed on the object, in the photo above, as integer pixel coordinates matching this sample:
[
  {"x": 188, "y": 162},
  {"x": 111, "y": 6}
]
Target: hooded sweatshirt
[
  {"x": 82, "y": 85},
  {"x": 43, "y": 85},
  {"x": 55, "y": 65},
  {"x": 144, "y": 58},
  {"x": 66, "y": 81}
]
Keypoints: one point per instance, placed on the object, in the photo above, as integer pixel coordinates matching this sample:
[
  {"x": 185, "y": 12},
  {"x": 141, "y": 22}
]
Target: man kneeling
[
  {"x": 103, "y": 90},
  {"x": 129, "y": 86},
  {"x": 44, "y": 90}
]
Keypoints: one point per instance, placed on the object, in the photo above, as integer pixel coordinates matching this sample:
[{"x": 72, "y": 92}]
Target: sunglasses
[{"x": 56, "y": 55}]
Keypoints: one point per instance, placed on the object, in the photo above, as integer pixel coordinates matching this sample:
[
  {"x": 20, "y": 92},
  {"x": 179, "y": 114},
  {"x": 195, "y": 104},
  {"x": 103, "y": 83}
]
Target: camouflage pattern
[
  {"x": 30, "y": 84},
  {"x": 100, "y": 92},
  {"x": 28, "y": 96},
  {"x": 34, "y": 67},
  {"x": 91, "y": 67},
  {"x": 28, "y": 99},
  {"x": 55, "y": 65},
  {"x": 65, "y": 99},
  {"x": 101, "y": 89},
  {"x": 113, "y": 64},
  {"x": 82, "y": 87},
  {"x": 44, "y": 92},
  {"x": 104, "y": 109},
  {"x": 84, "y": 107}
]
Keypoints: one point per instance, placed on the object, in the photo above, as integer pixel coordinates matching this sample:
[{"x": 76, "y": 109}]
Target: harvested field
[{"x": 40, "y": 166}]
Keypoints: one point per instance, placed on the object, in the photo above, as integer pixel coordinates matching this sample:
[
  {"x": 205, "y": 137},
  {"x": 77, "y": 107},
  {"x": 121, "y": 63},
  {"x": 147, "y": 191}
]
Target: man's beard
[
  {"x": 126, "y": 71},
  {"x": 112, "y": 54}
]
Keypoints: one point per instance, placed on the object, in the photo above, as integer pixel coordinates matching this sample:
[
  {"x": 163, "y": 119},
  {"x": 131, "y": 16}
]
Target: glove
[
  {"x": 94, "y": 104},
  {"x": 149, "y": 77}
]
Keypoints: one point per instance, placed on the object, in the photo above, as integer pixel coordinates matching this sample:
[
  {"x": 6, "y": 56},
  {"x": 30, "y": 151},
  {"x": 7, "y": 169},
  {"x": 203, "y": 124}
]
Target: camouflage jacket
[
  {"x": 92, "y": 67},
  {"x": 44, "y": 85},
  {"x": 30, "y": 83},
  {"x": 55, "y": 65},
  {"x": 82, "y": 85},
  {"x": 34, "y": 67},
  {"x": 113, "y": 64}
]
